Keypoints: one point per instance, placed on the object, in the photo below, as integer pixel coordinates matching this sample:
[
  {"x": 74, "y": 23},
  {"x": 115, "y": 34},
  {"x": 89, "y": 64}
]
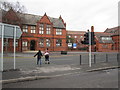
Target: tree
[{"x": 17, "y": 7}]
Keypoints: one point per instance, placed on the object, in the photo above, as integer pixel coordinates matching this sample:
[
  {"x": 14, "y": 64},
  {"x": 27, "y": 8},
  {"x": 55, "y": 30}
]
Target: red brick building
[
  {"x": 104, "y": 42},
  {"x": 39, "y": 32},
  {"x": 76, "y": 37},
  {"x": 115, "y": 36}
]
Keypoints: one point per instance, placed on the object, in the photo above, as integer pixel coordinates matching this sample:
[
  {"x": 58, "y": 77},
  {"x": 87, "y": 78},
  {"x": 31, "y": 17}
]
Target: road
[
  {"x": 99, "y": 79},
  {"x": 27, "y": 61}
]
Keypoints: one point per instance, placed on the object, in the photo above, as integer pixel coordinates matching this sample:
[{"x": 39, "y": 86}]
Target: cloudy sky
[{"x": 79, "y": 15}]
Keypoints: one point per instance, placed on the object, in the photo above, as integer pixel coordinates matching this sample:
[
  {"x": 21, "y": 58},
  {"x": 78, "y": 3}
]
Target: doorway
[{"x": 32, "y": 45}]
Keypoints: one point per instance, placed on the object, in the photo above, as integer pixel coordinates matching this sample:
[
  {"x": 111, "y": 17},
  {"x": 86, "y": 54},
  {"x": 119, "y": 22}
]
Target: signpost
[{"x": 9, "y": 31}]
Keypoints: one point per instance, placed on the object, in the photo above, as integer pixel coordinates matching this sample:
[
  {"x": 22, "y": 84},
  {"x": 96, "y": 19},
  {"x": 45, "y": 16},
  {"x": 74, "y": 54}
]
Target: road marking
[{"x": 43, "y": 57}]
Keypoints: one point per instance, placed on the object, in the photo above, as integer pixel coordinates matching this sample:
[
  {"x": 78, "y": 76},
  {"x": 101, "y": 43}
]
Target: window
[
  {"x": 106, "y": 38},
  {"x": 58, "y": 42},
  {"x": 69, "y": 36},
  {"x": 24, "y": 43},
  {"x": 75, "y": 36},
  {"x": 48, "y": 29},
  {"x": 41, "y": 29},
  {"x": 58, "y": 31},
  {"x": 47, "y": 42},
  {"x": 41, "y": 43},
  {"x": 16, "y": 43},
  {"x": 25, "y": 28},
  {"x": 81, "y": 36},
  {"x": 32, "y": 29}
]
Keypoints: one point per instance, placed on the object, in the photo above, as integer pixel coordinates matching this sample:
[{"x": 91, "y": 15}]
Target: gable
[
  {"x": 11, "y": 17},
  {"x": 45, "y": 19}
]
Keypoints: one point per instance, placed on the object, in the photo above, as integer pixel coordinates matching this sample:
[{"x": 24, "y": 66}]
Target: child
[
  {"x": 39, "y": 55},
  {"x": 47, "y": 57}
]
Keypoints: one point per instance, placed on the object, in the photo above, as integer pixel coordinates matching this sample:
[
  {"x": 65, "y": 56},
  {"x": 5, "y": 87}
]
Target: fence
[{"x": 97, "y": 58}]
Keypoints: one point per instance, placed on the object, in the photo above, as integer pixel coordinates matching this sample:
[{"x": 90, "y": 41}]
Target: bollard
[
  {"x": 80, "y": 59},
  {"x": 106, "y": 58},
  {"x": 94, "y": 59}
]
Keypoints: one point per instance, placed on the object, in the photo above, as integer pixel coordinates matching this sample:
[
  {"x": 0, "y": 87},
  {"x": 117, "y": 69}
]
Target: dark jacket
[{"x": 38, "y": 54}]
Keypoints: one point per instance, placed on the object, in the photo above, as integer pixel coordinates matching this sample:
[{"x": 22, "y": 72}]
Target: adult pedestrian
[
  {"x": 39, "y": 55},
  {"x": 47, "y": 56}
]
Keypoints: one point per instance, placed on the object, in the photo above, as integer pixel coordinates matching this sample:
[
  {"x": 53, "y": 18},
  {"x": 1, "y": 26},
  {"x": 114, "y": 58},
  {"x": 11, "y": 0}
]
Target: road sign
[
  {"x": 74, "y": 45},
  {"x": 69, "y": 45},
  {"x": 9, "y": 31}
]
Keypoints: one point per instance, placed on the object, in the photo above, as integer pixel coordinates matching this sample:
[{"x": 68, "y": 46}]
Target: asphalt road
[
  {"x": 27, "y": 61},
  {"x": 99, "y": 79}
]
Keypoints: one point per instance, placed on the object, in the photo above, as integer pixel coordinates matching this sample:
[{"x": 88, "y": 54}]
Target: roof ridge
[{"x": 29, "y": 14}]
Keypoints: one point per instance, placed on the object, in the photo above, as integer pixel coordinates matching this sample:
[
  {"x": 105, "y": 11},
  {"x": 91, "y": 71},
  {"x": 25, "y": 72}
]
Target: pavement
[{"x": 50, "y": 70}]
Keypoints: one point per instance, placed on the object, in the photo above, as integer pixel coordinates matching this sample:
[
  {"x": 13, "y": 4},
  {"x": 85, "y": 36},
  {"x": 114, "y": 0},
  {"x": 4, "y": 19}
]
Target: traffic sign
[
  {"x": 9, "y": 31},
  {"x": 74, "y": 45}
]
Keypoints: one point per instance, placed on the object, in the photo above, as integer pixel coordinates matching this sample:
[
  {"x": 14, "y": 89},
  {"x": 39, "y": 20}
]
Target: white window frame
[
  {"x": 41, "y": 43},
  {"x": 75, "y": 36},
  {"x": 48, "y": 43},
  {"x": 106, "y": 38},
  {"x": 25, "y": 28},
  {"x": 41, "y": 29},
  {"x": 48, "y": 29},
  {"x": 69, "y": 36},
  {"x": 58, "y": 44},
  {"x": 24, "y": 43},
  {"x": 33, "y": 29},
  {"x": 58, "y": 31},
  {"x": 16, "y": 43}
]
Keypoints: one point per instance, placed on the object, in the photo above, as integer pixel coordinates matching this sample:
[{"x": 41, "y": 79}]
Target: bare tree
[{"x": 15, "y": 6}]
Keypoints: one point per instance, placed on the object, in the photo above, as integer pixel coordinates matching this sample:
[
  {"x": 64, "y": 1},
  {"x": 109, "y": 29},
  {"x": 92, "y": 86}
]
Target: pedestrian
[
  {"x": 39, "y": 55},
  {"x": 47, "y": 56}
]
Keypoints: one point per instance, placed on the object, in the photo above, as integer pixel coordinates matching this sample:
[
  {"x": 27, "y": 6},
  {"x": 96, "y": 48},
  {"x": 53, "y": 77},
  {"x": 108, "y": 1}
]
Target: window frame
[
  {"x": 33, "y": 29},
  {"x": 41, "y": 29},
  {"x": 41, "y": 42},
  {"x": 48, "y": 42},
  {"x": 24, "y": 43},
  {"x": 58, "y": 31},
  {"x": 25, "y": 28},
  {"x": 48, "y": 29},
  {"x": 58, "y": 42}
]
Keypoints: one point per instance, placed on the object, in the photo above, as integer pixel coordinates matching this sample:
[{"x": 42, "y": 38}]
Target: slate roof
[
  {"x": 57, "y": 23},
  {"x": 2, "y": 13},
  {"x": 99, "y": 36},
  {"x": 113, "y": 31},
  {"x": 31, "y": 19}
]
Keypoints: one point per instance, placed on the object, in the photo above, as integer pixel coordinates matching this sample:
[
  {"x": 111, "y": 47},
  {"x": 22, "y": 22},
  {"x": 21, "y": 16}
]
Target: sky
[{"x": 79, "y": 15}]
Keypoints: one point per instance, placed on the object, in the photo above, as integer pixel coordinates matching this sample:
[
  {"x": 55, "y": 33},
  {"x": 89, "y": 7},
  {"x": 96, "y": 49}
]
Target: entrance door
[{"x": 32, "y": 45}]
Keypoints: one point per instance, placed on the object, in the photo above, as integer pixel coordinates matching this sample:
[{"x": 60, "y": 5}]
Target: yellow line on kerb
[{"x": 50, "y": 56}]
